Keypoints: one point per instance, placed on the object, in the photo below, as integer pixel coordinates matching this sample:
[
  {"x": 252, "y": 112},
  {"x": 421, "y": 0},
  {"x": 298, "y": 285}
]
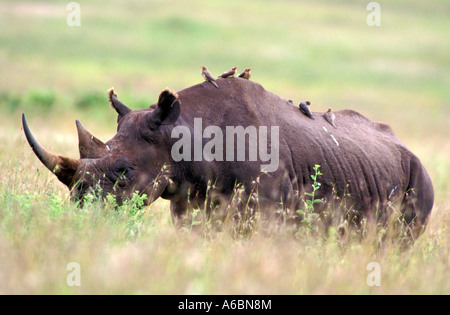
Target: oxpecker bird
[
  {"x": 208, "y": 76},
  {"x": 245, "y": 74},
  {"x": 229, "y": 73},
  {"x": 304, "y": 108},
  {"x": 330, "y": 117}
]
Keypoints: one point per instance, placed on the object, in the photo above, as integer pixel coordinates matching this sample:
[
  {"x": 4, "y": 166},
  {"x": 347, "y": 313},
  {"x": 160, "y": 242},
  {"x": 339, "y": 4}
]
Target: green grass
[{"x": 322, "y": 51}]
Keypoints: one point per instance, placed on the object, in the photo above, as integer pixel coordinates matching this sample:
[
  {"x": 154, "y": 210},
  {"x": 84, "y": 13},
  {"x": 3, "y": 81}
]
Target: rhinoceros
[{"x": 203, "y": 139}]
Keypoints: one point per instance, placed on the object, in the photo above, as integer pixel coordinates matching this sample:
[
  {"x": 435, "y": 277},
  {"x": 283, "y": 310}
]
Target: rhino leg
[{"x": 178, "y": 210}]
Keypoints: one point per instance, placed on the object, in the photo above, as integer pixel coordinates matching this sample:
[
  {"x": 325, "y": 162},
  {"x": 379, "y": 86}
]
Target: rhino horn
[
  {"x": 64, "y": 168},
  {"x": 90, "y": 147},
  {"x": 120, "y": 107}
]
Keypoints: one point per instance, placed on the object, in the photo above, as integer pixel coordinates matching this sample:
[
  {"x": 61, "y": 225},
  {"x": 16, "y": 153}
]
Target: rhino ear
[
  {"x": 169, "y": 106},
  {"x": 167, "y": 110},
  {"x": 120, "y": 107},
  {"x": 90, "y": 147}
]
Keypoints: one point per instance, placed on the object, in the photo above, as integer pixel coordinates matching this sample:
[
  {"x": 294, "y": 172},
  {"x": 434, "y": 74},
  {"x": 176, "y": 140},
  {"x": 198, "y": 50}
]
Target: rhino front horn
[{"x": 64, "y": 168}]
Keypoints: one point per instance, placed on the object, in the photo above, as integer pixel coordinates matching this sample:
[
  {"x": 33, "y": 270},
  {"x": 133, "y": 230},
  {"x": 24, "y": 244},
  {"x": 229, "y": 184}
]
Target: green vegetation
[
  {"x": 308, "y": 214},
  {"x": 322, "y": 51}
]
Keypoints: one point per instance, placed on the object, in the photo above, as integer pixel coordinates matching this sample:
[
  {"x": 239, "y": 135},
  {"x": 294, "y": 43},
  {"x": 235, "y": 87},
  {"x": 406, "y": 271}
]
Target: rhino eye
[
  {"x": 123, "y": 171},
  {"x": 122, "y": 167}
]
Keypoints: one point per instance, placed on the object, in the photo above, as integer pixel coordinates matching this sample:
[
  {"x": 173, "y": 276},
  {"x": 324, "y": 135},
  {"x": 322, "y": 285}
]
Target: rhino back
[{"x": 359, "y": 159}]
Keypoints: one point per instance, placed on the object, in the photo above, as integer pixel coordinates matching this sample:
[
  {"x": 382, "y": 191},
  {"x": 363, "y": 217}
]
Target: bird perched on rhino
[
  {"x": 304, "y": 108},
  {"x": 245, "y": 74},
  {"x": 208, "y": 77},
  {"x": 229, "y": 73},
  {"x": 330, "y": 117}
]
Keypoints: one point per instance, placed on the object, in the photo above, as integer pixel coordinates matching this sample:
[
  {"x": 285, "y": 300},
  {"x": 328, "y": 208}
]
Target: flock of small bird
[
  {"x": 304, "y": 106},
  {"x": 227, "y": 74},
  {"x": 329, "y": 115}
]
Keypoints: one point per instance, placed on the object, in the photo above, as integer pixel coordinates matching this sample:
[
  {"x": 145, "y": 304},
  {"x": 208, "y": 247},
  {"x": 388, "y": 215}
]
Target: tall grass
[
  {"x": 130, "y": 249},
  {"x": 139, "y": 251}
]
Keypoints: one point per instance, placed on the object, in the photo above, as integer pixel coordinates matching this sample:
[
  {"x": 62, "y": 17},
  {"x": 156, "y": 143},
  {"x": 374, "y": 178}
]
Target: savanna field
[{"x": 322, "y": 51}]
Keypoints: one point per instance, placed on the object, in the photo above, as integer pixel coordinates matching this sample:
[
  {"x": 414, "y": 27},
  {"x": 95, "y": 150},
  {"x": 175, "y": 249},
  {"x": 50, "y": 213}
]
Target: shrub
[
  {"x": 9, "y": 101},
  {"x": 91, "y": 100},
  {"x": 41, "y": 99}
]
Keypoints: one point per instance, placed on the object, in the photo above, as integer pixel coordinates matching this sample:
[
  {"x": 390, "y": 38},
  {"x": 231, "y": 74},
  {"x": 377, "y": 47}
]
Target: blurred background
[{"x": 324, "y": 51}]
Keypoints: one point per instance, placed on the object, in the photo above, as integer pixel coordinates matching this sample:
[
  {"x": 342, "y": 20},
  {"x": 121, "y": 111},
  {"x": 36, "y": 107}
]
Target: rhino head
[{"x": 136, "y": 159}]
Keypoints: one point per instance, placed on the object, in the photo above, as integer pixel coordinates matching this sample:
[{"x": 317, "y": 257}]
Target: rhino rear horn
[
  {"x": 64, "y": 168},
  {"x": 120, "y": 107},
  {"x": 89, "y": 146}
]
